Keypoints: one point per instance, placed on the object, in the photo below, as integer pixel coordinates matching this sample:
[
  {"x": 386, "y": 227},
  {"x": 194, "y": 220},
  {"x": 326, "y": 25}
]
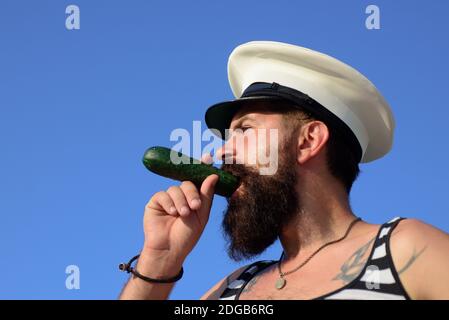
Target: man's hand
[
  {"x": 173, "y": 223},
  {"x": 175, "y": 219}
]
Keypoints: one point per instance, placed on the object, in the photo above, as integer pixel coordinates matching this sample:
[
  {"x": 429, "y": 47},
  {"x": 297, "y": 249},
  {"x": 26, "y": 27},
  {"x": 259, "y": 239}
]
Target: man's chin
[{"x": 246, "y": 252}]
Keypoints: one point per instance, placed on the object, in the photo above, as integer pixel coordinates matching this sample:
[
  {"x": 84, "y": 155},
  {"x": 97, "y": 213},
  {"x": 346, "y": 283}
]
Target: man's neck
[{"x": 320, "y": 219}]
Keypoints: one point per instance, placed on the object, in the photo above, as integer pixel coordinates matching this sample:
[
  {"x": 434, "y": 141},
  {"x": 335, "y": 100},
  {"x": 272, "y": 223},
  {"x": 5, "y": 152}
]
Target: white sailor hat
[{"x": 324, "y": 86}]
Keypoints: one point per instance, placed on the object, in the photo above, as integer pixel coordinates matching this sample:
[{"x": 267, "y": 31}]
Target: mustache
[{"x": 241, "y": 171}]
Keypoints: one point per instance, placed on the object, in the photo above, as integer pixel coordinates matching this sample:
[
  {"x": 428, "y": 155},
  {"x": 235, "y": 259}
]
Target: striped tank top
[{"x": 378, "y": 279}]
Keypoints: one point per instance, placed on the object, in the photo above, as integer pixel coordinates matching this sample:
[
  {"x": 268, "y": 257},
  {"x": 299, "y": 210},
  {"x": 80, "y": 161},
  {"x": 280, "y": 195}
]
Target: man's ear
[{"x": 311, "y": 140}]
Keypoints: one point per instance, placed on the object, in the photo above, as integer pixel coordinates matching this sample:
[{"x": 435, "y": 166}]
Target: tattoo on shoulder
[
  {"x": 250, "y": 284},
  {"x": 257, "y": 275},
  {"x": 352, "y": 267},
  {"x": 412, "y": 259}
]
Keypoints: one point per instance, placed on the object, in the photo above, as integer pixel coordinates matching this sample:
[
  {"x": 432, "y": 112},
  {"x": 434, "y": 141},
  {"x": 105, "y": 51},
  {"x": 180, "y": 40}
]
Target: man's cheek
[
  {"x": 258, "y": 148},
  {"x": 268, "y": 151},
  {"x": 246, "y": 148}
]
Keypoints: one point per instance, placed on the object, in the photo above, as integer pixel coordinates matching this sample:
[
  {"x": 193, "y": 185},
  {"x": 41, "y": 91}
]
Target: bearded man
[{"x": 328, "y": 118}]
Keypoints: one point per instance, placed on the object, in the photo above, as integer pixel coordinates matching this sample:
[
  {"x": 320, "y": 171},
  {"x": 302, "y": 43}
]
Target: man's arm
[
  {"x": 154, "y": 267},
  {"x": 420, "y": 254},
  {"x": 173, "y": 223}
]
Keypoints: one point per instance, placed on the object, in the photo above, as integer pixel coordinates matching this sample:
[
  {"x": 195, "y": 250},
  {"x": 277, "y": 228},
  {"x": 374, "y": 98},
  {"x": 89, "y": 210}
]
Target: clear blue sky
[{"x": 78, "y": 109}]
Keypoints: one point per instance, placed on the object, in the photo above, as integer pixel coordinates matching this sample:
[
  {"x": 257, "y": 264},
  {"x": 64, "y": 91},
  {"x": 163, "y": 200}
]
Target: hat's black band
[{"x": 305, "y": 102}]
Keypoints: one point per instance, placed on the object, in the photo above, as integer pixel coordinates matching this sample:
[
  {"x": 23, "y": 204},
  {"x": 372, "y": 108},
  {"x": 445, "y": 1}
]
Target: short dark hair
[{"x": 341, "y": 160}]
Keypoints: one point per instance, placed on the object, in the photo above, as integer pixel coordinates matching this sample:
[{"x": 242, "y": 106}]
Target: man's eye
[{"x": 241, "y": 129}]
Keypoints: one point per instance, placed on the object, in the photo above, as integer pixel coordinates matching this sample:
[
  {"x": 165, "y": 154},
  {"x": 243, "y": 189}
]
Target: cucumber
[{"x": 157, "y": 160}]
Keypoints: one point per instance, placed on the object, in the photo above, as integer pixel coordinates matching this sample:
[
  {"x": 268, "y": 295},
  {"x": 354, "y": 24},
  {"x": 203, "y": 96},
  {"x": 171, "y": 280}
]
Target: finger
[
  {"x": 161, "y": 200},
  {"x": 179, "y": 199},
  {"x": 208, "y": 185},
  {"x": 192, "y": 194},
  {"x": 207, "y": 194}
]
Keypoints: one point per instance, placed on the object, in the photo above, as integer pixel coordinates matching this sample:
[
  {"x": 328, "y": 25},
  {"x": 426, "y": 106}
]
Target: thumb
[{"x": 207, "y": 195}]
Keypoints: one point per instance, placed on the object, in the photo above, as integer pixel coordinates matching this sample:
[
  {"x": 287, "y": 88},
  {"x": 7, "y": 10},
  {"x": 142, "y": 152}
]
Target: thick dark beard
[{"x": 254, "y": 217}]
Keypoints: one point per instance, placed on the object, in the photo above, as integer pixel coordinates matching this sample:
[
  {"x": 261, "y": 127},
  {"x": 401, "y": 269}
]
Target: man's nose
[{"x": 225, "y": 153}]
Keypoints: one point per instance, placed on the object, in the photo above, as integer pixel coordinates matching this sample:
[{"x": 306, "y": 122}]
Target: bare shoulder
[
  {"x": 419, "y": 253},
  {"x": 413, "y": 233},
  {"x": 215, "y": 292}
]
